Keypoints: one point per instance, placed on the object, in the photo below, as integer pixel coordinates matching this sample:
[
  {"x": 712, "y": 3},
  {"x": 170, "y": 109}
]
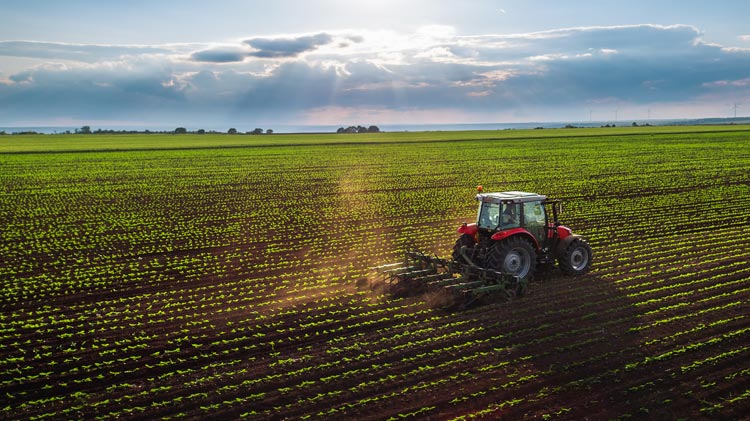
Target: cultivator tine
[
  {"x": 442, "y": 280},
  {"x": 412, "y": 275},
  {"x": 463, "y": 286},
  {"x": 521, "y": 286},
  {"x": 403, "y": 271},
  {"x": 388, "y": 266},
  {"x": 438, "y": 277}
]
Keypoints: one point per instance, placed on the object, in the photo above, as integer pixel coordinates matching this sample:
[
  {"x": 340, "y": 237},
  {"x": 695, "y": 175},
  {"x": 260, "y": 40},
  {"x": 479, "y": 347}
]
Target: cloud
[
  {"x": 433, "y": 71},
  {"x": 21, "y": 77},
  {"x": 220, "y": 55},
  {"x": 645, "y": 41},
  {"x": 88, "y": 92},
  {"x": 75, "y": 52},
  {"x": 741, "y": 83},
  {"x": 270, "y": 48},
  {"x": 287, "y": 47}
]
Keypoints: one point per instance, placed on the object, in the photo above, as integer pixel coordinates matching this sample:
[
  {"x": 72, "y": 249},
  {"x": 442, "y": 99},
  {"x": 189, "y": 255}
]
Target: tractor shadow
[{"x": 577, "y": 333}]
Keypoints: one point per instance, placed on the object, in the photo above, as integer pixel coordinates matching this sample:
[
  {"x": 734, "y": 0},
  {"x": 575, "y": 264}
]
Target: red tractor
[{"x": 516, "y": 233}]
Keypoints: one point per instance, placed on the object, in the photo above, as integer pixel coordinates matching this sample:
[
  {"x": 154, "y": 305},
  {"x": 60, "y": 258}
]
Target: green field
[
  {"x": 124, "y": 142},
  {"x": 218, "y": 276}
]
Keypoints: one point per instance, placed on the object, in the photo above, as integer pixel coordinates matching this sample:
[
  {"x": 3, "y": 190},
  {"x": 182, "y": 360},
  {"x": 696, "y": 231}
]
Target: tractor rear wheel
[
  {"x": 464, "y": 240},
  {"x": 514, "y": 256},
  {"x": 576, "y": 259}
]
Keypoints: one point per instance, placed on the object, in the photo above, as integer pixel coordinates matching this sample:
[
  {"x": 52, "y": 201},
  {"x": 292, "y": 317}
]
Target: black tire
[
  {"x": 515, "y": 256},
  {"x": 464, "y": 240},
  {"x": 576, "y": 259}
]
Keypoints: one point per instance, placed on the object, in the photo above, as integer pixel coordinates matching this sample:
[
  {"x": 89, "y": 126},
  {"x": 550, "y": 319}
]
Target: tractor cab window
[
  {"x": 534, "y": 218},
  {"x": 511, "y": 217},
  {"x": 489, "y": 215},
  {"x": 534, "y": 213}
]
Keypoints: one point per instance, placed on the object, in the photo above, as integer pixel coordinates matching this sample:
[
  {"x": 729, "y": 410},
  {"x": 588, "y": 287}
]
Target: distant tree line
[
  {"x": 178, "y": 130},
  {"x": 358, "y": 129},
  {"x": 183, "y": 130}
]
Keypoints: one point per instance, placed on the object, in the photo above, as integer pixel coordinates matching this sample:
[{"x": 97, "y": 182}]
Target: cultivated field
[{"x": 216, "y": 277}]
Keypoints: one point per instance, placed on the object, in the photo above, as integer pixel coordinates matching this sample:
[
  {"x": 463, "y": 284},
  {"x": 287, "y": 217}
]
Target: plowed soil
[{"x": 239, "y": 283}]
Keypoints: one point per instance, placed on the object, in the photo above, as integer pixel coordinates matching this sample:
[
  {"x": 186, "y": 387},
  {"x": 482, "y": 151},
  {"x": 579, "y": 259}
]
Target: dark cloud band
[
  {"x": 287, "y": 47},
  {"x": 75, "y": 52},
  {"x": 562, "y": 69}
]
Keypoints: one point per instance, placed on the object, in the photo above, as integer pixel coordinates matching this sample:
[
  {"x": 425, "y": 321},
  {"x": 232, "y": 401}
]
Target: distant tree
[
  {"x": 201, "y": 131},
  {"x": 269, "y": 131},
  {"x": 341, "y": 130},
  {"x": 373, "y": 129},
  {"x": 257, "y": 131},
  {"x": 180, "y": 130},
  {"x": 232, "y": 131},
  {"x": 635, "y": 124},
  {"x": 84, "y": 130}
]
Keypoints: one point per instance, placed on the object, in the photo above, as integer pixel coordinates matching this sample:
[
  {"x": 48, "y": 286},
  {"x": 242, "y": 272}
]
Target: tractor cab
[{"x": 508, "y": 213}]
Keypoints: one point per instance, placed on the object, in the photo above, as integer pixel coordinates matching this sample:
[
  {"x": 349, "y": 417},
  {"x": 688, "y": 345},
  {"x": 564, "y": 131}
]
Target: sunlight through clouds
[{"x": 385, "y": 75}]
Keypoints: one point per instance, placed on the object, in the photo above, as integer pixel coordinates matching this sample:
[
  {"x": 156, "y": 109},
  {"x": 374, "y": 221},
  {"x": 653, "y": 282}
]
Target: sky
[{"x": 245, "y": 63}]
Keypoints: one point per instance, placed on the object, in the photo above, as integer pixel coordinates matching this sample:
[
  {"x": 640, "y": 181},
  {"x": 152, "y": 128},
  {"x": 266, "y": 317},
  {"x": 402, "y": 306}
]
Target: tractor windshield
[{"x": 489, "y": 215}]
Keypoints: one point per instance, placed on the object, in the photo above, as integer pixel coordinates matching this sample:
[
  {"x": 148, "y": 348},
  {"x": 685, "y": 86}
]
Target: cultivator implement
[{"x": 450, "y": 283}]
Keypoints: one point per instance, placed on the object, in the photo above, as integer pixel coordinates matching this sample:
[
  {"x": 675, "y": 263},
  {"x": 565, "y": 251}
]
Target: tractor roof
[{"x": 510, "y": 197}]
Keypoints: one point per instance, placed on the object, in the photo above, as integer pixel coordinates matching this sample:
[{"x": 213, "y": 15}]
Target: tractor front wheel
[
  {"x": 514, "y": 256},
  {"x": 576, "y": 259},
  {"x": 464, "y": 240}
]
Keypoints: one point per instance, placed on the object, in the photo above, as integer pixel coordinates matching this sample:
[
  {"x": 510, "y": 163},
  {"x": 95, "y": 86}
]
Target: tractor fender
[
  {"x": 563, "y": 232},
  {"x": 502, "y": 235},
  {"x": 565, "y": 242},
  {"x": 470, "y": 229}
]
